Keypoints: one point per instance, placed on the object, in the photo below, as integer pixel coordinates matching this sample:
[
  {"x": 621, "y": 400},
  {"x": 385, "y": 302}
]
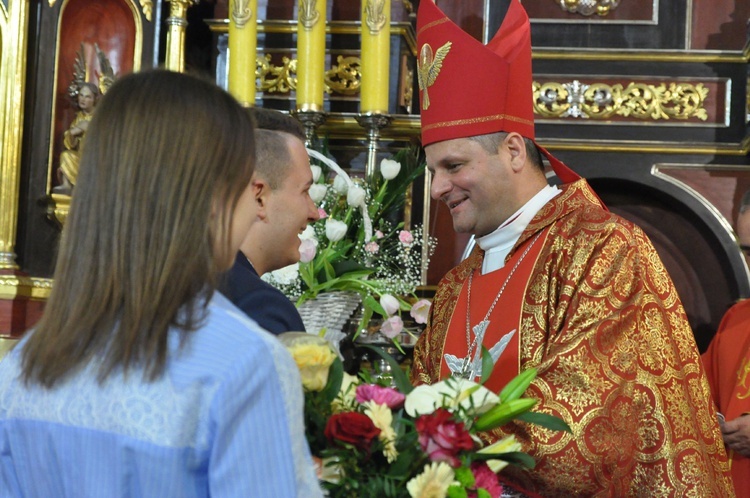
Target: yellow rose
[{"x": 313, "y": 356}]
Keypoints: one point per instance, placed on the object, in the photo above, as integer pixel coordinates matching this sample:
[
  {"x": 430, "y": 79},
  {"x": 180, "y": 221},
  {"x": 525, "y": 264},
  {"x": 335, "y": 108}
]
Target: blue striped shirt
[{"x": 224, "y": 420}]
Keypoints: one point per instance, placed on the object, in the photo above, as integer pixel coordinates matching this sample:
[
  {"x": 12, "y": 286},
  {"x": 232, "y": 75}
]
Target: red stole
[{"x": 506, "y": 315}]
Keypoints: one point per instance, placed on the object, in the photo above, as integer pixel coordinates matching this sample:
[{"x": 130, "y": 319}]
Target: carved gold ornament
[
  {"x": 147, "y": 6},
  {"x": 241, "y": 12},
  {"x": 344, "y": 78},
  {"x": 308, "y": 15},
  {"x": 589, "y": 7},
  {"x": 375, "y": 17},
  {"x": 428, "y": 69},
  {"x": 636, "y": 100}
]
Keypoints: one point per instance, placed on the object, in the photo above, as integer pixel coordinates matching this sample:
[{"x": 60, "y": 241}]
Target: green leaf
[
  {"x": 518, "y": 458},
  {"x": 335, "y": 378},
  {"x": 399, "y": 376},
  {"x": 545, "y": 420},
  {"x": 487, "y": 365}
]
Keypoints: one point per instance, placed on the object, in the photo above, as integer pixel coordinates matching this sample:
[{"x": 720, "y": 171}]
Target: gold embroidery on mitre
[
  {"x": 428, "y": 69},
  {"x": 482, "y": 119}
]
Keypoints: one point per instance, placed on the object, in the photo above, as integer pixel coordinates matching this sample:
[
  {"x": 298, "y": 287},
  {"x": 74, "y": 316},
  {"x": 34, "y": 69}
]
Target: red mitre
[{"x": 467, "y": 88}]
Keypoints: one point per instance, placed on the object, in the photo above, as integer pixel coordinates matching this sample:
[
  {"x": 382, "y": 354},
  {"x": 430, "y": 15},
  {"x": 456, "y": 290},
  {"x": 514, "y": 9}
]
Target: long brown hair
[{"x": 166, "y": 159}]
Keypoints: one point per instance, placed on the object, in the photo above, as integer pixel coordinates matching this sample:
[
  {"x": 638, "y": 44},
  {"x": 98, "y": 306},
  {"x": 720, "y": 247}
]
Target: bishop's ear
[{"x": 516, "y": 147}]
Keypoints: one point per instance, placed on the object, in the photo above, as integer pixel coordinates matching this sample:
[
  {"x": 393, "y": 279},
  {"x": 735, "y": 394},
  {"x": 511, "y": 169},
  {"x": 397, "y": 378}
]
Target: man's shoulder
[{"x": 738, "y": 312}]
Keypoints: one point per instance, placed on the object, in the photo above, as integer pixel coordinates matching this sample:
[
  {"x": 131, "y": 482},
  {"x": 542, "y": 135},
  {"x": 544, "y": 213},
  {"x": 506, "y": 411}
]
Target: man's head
[
  {"x": 743, "y": 225},
  {"x": 281, "y": 185},
  {"x": 485, "y": 179}
]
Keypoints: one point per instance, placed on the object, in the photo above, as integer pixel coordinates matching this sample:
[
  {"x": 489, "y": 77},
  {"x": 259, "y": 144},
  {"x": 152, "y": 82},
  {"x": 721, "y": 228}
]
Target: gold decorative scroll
[
  {"x": 241, "y": 13},
  {"x": 636, "y": 100},
  {"x": 343, "y": 78},
  {"x": 147, "y": 6},
  {"x": 308, "y": 16},
  {"x": 589, "y": 7},
  {"x": 408, "y": 6},
  {"x": 375, "y": 15}
]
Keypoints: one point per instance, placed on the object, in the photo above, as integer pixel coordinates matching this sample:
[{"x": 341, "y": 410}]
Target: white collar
[{"x": 497, "y": 244}]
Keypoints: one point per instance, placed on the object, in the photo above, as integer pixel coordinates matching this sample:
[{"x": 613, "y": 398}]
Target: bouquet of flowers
[
  {"x": 361, "y": 243},
  {"x": 374, "y": 440}
]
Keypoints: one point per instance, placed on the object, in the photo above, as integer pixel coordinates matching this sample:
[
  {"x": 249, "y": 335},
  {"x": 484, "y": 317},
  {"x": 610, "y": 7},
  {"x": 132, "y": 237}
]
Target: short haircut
[
  {"x": 272, "y": 156},
  {"x": 491, "y": 143},
  {"x": 166, "y": 159},
  {"x": 271, "y": 119}
]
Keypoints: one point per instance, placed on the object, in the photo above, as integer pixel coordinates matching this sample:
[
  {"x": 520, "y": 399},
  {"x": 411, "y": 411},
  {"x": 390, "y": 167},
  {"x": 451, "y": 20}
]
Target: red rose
[
  {"x": 353, "y": 428},
  {"x": 442, "y": 438}
]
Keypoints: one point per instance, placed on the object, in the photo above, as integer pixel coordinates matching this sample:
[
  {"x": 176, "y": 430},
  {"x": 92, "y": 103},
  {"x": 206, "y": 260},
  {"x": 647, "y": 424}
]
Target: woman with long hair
[{"x": 140, "y": 379}]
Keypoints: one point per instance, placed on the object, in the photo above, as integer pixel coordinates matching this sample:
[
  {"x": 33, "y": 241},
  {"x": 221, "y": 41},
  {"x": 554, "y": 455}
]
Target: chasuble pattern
[{"x": 602, "y": 323}]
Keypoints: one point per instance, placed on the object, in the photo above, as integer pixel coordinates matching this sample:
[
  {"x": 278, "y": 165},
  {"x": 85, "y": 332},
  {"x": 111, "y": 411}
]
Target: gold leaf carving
[
  {"x": 345, "y": 77},
  {"x": 589, "y": 7},
  {"x": 636, "y": 100},
  {"x": 147, "y": 6}
]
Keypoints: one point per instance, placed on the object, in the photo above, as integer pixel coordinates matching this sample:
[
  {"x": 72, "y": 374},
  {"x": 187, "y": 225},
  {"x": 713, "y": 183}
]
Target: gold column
[
  {"x": 243, "y": 41},
  {"x": 311, "y": 46},
  {"x": 12, "y": 83},
  {"x": 376, "y": 52},
  {"x": 177, "y": 22}
]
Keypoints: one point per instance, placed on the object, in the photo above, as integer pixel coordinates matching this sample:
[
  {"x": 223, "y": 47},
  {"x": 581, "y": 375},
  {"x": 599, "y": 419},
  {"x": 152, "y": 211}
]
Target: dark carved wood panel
[
  {"x": 628, "y": 10},
  {"x": 720, "y": 24}
]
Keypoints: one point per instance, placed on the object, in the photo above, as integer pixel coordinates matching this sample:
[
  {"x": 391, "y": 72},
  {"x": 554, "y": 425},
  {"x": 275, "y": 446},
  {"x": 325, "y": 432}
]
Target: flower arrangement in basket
[
  {"x": 361, "y": 244},
  {"x": 373, "y": 440}
]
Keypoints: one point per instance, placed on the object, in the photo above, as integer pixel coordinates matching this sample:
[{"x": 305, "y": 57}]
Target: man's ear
[
  {"x": 516, "y": 147},
  {"x": 261, "y": 192}
]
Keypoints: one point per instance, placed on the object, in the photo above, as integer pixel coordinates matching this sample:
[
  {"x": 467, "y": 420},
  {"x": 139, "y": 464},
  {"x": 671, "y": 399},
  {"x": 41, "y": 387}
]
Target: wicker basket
[{"x": 330, "y": 310}]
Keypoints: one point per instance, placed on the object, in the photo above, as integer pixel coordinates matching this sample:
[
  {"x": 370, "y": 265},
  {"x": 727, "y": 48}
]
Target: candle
[
  {"x": 243, "y": 40},
  {"x": 376, "y": 52},
  {"x": 311, "y": 46}
]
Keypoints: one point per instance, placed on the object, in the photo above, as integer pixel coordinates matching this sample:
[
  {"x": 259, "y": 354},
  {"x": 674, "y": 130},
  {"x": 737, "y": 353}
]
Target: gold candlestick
[{"x": 373, "y": 123}]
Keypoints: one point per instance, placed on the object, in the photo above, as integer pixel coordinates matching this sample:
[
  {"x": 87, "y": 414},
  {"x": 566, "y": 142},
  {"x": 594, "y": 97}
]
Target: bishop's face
[{"x": 477, "y": 186}]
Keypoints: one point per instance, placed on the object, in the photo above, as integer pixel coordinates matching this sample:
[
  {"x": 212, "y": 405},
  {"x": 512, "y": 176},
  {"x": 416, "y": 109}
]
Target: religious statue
[{"x": 85, "y": 94}]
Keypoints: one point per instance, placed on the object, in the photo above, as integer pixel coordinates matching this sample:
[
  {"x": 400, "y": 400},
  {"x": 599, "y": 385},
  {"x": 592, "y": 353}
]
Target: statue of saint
[{"x": 88, "y": 93}]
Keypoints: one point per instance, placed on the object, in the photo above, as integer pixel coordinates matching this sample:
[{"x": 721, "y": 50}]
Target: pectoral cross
[{"x": 471, "y": 368}]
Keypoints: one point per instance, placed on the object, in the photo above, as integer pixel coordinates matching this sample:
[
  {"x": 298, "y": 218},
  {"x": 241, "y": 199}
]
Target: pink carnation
[
  {"x": 443, "y": 438},
  {"x": 486, "y": 479},
  {"x": 405, "y": 237},
  {"x": 381, "y": 395}
]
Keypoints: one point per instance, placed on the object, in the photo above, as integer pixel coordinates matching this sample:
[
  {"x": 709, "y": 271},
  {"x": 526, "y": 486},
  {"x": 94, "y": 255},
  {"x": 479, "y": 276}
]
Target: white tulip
[
  {"x": 335, "y": 229},
  {"x": 340, "y": 185},
  {"x": 318, "y": 192},
  {"x": 389, "y": 168},
  {"x": 356, "y": 196},
  {"x": 308, "y": 233},
  {"x": 316, "y": 171},
  {"x": 390, "y": 304}
]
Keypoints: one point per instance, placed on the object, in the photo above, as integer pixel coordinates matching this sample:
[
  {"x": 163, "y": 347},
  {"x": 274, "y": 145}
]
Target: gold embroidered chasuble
[{"x": 616, "y": 358}]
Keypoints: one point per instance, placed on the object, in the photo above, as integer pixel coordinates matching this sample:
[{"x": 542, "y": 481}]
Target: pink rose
[
  {"x": 372, "y": 247},
  {"x": 392, "y": 327},
  {"x": 307, "y": 250},
  {"x": 420, "y": 311},
  {"x": 442, "y": 438},
  {"x": 381, "y": 395},
  {"x": 405, "y": 237}
]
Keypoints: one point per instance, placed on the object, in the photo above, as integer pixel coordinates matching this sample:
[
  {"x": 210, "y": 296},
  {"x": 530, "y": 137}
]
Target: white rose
[
  {"x": 474, "y": 398},
  {"x": 316, "y": 171},
  {"x": 318, "y": 192},
  {"x": 356, "y": 196},
  {"x": 340, "y": 185},
  {"x": 335, "y": 229},
  {"x": 389, "y": 168}
]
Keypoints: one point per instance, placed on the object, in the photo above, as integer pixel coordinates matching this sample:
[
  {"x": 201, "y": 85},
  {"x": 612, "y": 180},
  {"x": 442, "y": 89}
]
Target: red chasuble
[
  {"x": 601, "y": 322},
  {"x": 505, "y": 318},
  {"x": 727, "y": 362}
]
